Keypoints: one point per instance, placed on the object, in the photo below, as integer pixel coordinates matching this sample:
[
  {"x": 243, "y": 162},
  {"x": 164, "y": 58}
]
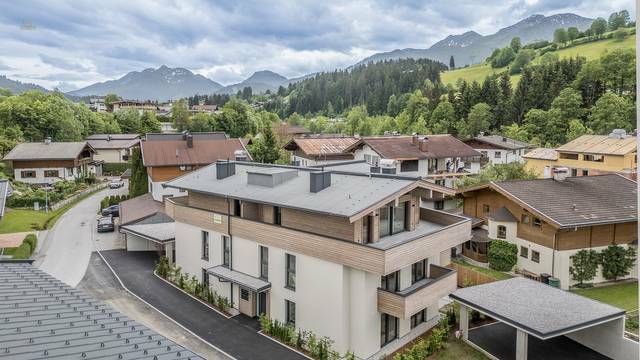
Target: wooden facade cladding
[
  {"x": 338, "y": 227},
  {"x": 166, "y": 173},
  {"x": 404, "y": 306},
  {"x": 22, "y": 164}
]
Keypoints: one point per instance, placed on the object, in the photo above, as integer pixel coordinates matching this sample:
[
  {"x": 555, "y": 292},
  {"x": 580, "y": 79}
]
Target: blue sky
[{"x": 73, "y": 44}]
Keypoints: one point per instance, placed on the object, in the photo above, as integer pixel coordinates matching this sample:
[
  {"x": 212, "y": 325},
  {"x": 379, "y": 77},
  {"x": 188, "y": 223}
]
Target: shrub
[
  {"x": 32, "y": 240},
  {"x": 584, "y": 265},
  {"x": 23, "y": 251},
  {"x": 617, "y": 261},
  {"x": 502, "y": 255}
]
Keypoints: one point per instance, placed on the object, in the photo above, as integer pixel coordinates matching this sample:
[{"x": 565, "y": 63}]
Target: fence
[
  {"x": 467, "y": 276},
  {"x": 66, "y": 201}
]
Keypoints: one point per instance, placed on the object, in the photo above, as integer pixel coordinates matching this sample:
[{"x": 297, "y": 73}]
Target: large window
[
  {"x": 419, "y": 271},
  {"x": 204, "y": 246},
  {"x": 418, "y": 318},
  {"x": 391, "y": 282},
  {"x": 26, "y": 174},
  {"x": 388, "y": 329},
  {"x": 226, "y": 250},
  {"x": 393, "y": 219},
  {"x": 264, "y": 262},
  {"x": 568, "y": 156},
  {"x": 535, "y": 256},
  {"x": 290, "y": 272},
  {"x": 366, "y": 229},
  {"x": 237, "y": 208},
  {"x": 593, "y": 157},
  {"x": 277, "y": 215},
  {"x": 51, "y": 173},
  {"x": 290, "y": 308},
  {"x": 524, "y": 252},
  {"x": 502, "y": 232},
  {"x": 409, "y": 165}
]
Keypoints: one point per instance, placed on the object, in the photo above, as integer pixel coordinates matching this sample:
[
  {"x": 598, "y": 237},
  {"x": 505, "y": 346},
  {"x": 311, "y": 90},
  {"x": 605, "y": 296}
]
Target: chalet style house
[
  {"x": 46, "y": 162},
  {"x": 549, "y": 220},
  {"x": 314, "y": 151},
  {"x": 351, "y": 256},
  {"x": 588, "y": 155},
  {"x": 167, "y": 156},
  {"x": 496, "y": 149},
  {"x": 113, "y": 148}
]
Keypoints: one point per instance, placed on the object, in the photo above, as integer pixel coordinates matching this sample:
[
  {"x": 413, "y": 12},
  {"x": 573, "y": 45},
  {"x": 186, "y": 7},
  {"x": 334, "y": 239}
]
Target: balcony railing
[{"x": 426, "y": 292}]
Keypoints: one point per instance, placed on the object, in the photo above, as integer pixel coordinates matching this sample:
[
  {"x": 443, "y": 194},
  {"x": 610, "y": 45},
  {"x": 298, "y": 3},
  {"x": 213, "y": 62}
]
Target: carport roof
[
  {"x": 237, "y": 277},
  {"x": 536, "y": 308}
]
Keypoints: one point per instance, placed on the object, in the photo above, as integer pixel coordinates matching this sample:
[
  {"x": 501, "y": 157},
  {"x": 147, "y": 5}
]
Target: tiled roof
[
  {"x": 176, "y": 152},
  {"x": 502, "y": 214},
  {"x": 402, "y": 147},
  {"x": 503, "y": 142},
  {"x": 43, "y": 151},
  {"x": 577, "y": 201},
  {"x": 44, "y": 318},
  {"x": 139, "y": 207},
  {"x": 113, "y": 141},
  {"x": 542, "y": 154},
  {"x": 321, "y": 146},
  {"x": 601, "y": 144}
]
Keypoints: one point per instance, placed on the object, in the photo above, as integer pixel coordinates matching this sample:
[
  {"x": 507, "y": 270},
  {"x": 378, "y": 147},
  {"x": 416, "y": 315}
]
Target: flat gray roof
[
  {"x": 160, "y": 232},
  {"x": 240, "y": 278},
  {"x": 348, "y": 195},
  {"x": 44, "y": 318},
  {"x": 536, "y": 308}
]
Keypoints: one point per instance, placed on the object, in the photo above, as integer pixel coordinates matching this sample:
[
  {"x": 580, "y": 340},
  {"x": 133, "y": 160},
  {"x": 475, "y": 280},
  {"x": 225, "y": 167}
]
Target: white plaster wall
[
  {"x": 512, "y": 230},
  {"x": 158, "y": 192},
  {"x": 137, "y": 243},
  {"x": 506, "y": 156},
  {"x": 110, "y": 155},
  {"x": 364, "y": 318},
  {"x": 608, "y": 339},
  {"x": 40, "y": 178}
]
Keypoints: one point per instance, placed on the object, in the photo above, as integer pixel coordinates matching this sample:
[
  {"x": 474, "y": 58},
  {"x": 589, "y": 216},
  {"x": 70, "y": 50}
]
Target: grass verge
[
  {"x": 457, "y": 349},
  {"x": 623, "y": 295},
  {"x": 498, "y": 275}
]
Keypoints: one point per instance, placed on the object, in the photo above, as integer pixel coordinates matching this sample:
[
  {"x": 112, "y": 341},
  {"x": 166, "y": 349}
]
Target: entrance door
[
  {"x": 247, "y": 303},
  {"x": 262, "y": 303}
]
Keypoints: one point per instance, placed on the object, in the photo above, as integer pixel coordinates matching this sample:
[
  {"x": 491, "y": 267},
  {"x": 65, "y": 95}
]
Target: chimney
[
  {"x": 47, "y": 140},
  {"x": 224, "y": 169},
  {"x": 422, "y": 144},
  {"x": 189, "y": 141},
  {"x": 504, "y": 139},
  {"x": 560, "y": 173},
  {"x": 414, "y": 139},
  {"x": 319, "y": 181},
  {"x": 240, "y": 155}
]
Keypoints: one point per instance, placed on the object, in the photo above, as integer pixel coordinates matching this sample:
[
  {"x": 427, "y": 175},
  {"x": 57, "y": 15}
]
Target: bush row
[
  {"x": 112, "y": 200},
  {"x": 27, "y": 247}
]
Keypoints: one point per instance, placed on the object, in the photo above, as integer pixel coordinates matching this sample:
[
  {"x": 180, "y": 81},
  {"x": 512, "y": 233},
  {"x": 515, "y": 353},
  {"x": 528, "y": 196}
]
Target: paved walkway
[
  {"x": 236, "y": 336},
  {"x": 499, "y": 340}
]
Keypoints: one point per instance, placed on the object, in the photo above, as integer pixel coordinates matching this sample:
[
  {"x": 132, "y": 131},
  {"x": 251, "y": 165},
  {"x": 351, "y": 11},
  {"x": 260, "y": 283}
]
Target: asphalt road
[{"x": 66, "y": 248}]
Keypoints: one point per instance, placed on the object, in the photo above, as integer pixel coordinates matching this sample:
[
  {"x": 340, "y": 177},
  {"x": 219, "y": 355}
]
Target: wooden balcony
[{"x": 403, "y": 304}]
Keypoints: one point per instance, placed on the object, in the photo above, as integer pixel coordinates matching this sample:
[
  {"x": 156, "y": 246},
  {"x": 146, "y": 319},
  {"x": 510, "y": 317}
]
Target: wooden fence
[{"x": 469, "y": 277}]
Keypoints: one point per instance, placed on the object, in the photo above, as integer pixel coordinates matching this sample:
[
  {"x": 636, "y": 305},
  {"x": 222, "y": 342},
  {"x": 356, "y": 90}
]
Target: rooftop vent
[
  {"x": 224, "y": 169},
  {"x": 319, "y": 181},
  {"x": 189, "y": 140},
  {"x": 560, "y": 173},
  {"x": 270, "y": 177},
  {"x": 240, "y": 155}
]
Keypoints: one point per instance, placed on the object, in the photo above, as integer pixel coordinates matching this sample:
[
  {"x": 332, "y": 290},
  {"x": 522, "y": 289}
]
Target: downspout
[{"x": 553, "y": 256}]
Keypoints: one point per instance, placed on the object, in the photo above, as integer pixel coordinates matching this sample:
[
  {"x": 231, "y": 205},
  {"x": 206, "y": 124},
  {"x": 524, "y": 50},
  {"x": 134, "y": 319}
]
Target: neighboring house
[
  {"x": 590, "y": 155},
  {"x": 167, "y": 156},
  {"x": 319, "y": 150},
  {"x": 47, "y": 162},
  {"x": 350, "y": 256},
  {"x": 146, "y": 226},
  {"x": 286, "y": 131},
  {"x": 140, "y": 106},
  {"x": 5, "y": 192},
  {"x": 203, "y": 108},
  {"x": 57, "y": 321},
  {"x": 497, "y": 149},
  {"x": 551, "y": 219},
  {"x": 96, "y": 104},
  {"x": 113, "y": 148},
  {"x": 540, "y": 160}
]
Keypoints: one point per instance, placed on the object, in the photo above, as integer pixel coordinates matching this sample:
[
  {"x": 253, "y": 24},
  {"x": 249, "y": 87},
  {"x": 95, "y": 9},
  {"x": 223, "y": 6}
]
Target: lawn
[
  {"x": 457, "y": 349},
  {"x": 498, "y": 275},
  {"x": 623, "y": 295}
]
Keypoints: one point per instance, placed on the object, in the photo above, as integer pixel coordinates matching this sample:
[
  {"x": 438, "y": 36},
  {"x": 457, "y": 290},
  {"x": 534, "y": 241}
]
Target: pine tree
[
  {"x": 138, "y": 181},
  {"x": 452, "y": 63}
]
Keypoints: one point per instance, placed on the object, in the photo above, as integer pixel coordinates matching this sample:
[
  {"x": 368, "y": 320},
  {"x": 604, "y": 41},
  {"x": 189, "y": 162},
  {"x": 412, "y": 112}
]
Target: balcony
[{"x": 403, "y": 304}]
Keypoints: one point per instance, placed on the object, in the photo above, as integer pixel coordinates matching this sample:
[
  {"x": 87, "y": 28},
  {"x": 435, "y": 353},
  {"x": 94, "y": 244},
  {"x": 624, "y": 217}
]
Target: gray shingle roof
[
  {"x": 598, "y": 199},
  {"x": 502, "y": 214},
  {"x": 43, "y": 318},
  {"x": 537, "y": 308},
  {"x": 160, "y": 232},
  {"x": 42, "y": 151}
]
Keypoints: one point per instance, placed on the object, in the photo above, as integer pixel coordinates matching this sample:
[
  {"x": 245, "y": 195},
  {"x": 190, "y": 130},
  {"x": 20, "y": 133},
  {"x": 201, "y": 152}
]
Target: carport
[{"x": 537, "y": 321}]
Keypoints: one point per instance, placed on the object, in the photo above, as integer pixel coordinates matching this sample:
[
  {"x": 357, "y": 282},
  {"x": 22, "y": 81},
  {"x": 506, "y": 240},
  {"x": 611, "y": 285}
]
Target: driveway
[
  {"x": 66, "y": 248},
  {"x": 236, "y": 336}
]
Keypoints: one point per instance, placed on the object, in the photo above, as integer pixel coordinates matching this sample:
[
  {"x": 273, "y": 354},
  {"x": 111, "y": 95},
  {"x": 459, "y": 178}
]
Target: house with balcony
[
  {"x": 47, "y": 162},
  {"x": 549, "y": 220},
  {"x": 588, "y": 155},
  {"x": 168, "y": 156},
  {"x": 113, "y": 148},
  {"x": 351, "y": 256},
  {"x": 497, "y": 149},
  {"x": 314, "y": 151}
]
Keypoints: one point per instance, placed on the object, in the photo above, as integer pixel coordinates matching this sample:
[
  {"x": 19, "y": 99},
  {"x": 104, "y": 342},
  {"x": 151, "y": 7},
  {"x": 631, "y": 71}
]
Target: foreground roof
[
  {"x": 45, "y": 318},
  {"x": 536, "y": 308},
  {"x": 348, "y": 195},
  {"x": 43, "y": 151},
  {"x": 402, "y": 147},
  {"x": 542, "y": 154},
  {"x": 321, "y": 146},
  {"x": 576, "y": 201},
  {"x": 601, "y": 144},
  {"x": 138, "y": 208},
  {"x": 503, "y": 142},
  {"x": 176, "y": 152}
]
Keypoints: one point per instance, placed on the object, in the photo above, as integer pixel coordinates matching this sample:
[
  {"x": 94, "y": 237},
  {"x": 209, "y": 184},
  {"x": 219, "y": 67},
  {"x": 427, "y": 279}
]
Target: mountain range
[{"x": 166, "y": 83}]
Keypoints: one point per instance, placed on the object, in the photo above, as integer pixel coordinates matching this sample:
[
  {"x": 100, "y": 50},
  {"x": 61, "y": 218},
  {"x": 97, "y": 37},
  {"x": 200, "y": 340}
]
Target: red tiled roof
[
  {"x": 321, "y": 146},
  {"x": 402, "y": 148},
  {"x": 176, "y": 152}
]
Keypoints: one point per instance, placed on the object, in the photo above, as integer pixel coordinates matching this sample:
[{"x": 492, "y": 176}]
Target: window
[
  {"x": 418, "y": 318},
  {"x": 502, "y": 232},
  {"x": 244, "y": 294},
  {"x": 535, "y": 256},
  {"x": 393, "y": 219},
  {"x": 574, "y": 172},
  {"x": 277, "y": 215},
  {"x": 486, "y": 209},
  {"x": 440, "y": 182},
  {"x": 226, "y": 250},
  {"x": 409, "y": 165},
  {"x": 27, "y": 174},
  {"x": 290, "y": 272},
  {"x": 70, "y": 171},
  {"x": 399, "y": 216},
  {"x": 593, "y": 157},
  {"x": 391, "y": 282},
  {"x": 371, "y": 159},
  {"x": 568, "y": 156},
  {"x": 204, "y": 248},
  {"x": 419, "y": 271},
  {"x": 366, "y": 229},
  {"x": 525, "y": 219},
  {"x": 388, "y": 329},
  {"x": 51, "y": 173},
  {"x": 537, "y": 222},
  {"x": 205, "y": 278},
  {"x": 264, "y": 262},
  {"x": 237, "y": 208},
  {"x": 524, "y": 252},
  {"x": 585, "y": 172},
  {"x": 497, "y": 155},
  {"x": 438, "y": 205},
  {"x": 290, "y": 310}
]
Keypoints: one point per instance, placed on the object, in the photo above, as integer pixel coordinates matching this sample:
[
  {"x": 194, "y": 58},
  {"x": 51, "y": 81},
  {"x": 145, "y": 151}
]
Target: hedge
[
  {"x": 114, "y": 169},
  {"x": 23, "y": 251},
  {"x": 32, "y": 240},
  {"x": 112, "y": 200}
]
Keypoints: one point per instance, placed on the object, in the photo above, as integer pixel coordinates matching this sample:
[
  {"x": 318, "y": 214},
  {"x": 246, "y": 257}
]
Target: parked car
[
  {"x": 116, "y": 183},
  {"x": 113, "y": 210},
  {"x": 106, "y": 224}
]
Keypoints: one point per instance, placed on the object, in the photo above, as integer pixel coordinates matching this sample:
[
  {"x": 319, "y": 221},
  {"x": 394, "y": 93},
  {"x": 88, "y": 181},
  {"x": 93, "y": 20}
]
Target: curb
[
  {"x": 165, "y": 315},
  {"x": 261, "y": 332}
]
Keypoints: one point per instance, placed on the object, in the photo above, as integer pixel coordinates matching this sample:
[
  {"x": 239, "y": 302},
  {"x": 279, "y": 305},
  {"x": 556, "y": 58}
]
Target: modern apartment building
[
  {"x": 588, "y": 155},
  {"x": 319, "y": 150},
  {"x": 549, "y": 220},
  {"x": 351, "y": 256},
  {"x": 497, "y": 149}
]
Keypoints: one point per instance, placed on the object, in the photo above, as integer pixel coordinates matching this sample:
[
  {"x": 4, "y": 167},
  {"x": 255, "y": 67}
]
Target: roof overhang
[{"x": 236, "y": 277}]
